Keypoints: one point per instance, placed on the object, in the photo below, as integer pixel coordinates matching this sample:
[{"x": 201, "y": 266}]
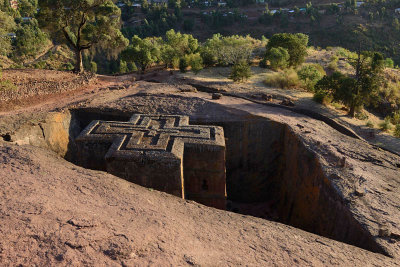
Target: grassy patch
[
  {"x": 283, "y": 79},
  {"x": 370, "y": 124},
  {"x": 385, "y": 125},
  {"x": 397, "y": 131}
]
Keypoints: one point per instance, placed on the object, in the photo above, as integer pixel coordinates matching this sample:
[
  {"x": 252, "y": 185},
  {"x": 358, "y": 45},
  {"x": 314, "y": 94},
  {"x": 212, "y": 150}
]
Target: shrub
[
  {"x": 322, "y": 97},
  {"x": 333, "y": 64},
  {"x": 283, "y": 79},
  {"x": 175, "y": 63},
  {"x": 361, "y": 115},
  {"x": 40, "y": 65},
  {"x": 68, "y": 66},
  {"x": 385, "y": 125},
  {"x": 227, "y": 50},
  {"x": 123, "y": 67},
  {"x": 389, "y": 63},
  {"x": 240, "y": 71},
  {"x": 396, "y": 118},
  {"x": 93, "y": 66},
  {"x": 6, "y": 85},
  {"x": 183, "y": 64},
  {"x": 132, "y": 66},
  {"x": 391, "y": 93},
  {"x": 296, "y": 45},
  {"x": 370, "y": 124},
  {"x": 310, "y": 74},
  {"x": 144, "y": 52},
  {"x": 196, "y": 62},
  {"x": 208, "y": 56},
  {"x": 397, "y": 130},
  {"x": 278, "y": 58},
  {"x": 342, "y": 52}
]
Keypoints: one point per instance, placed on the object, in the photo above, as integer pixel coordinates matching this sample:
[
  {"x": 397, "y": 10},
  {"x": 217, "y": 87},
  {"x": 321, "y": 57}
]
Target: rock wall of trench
[
  {"x": 268, "y": 163},
  {"x": 53, "y": 132},
  {"x": 309, "y": 201}
]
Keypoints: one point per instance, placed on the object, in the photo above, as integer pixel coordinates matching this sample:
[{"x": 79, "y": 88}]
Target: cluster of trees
[
  {"x": 159, "y": 18},
  {"x": 21, "y": 36},
  {"x": 286, "y": 52},
  {"x": 357, "y": 90},
  {"x": 83, "y": 25},
  {"x": 80, "y": 24},
  {"x": 7, "y": 25},
  {"x": 177, "y": 50}
]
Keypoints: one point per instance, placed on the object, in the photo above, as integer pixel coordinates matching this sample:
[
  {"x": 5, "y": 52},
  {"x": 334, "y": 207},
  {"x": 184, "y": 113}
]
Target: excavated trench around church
[{"x": 269, "y": 172}]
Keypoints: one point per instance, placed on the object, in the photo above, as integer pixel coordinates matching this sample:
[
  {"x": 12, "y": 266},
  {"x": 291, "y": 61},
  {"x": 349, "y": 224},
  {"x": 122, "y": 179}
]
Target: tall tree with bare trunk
[{"x": 83, "y": 24}]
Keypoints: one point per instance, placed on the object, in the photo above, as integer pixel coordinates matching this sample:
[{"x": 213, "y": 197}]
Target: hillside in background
[
  {"x": 373, "y": 24},
  {"x": 328, "y": 23}
]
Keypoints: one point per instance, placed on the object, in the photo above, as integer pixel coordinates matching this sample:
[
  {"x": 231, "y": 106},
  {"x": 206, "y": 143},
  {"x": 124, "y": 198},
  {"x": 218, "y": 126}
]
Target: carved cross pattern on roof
[{"x": 152, "y": 135}]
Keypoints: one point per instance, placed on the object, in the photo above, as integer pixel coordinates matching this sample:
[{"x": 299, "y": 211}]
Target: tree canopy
[
  {"x": 143, "y": 51},
  {"x": 83, "y": 24},
  {"x": 310, "y": 74},
  {"x": 357, "y": 90},
  {"x": 278, "y": 57},
  {"x": 176, "y": 46},
  {"x": 296, "y": 45},
  {"x": 7, "y": 25},
  {"x": 240, "y": 71},
  {"x": 227, "y": 50},
  {"x": 29, "y": 41}
]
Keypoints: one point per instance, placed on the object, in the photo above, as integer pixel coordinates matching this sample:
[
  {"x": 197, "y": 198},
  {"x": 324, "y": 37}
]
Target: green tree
[
  {"x": 278, "y": 57},
  {"x": 142, "y": 51},
  {"x": 327, "y": 87},
  {"x": 397, "y": 131},
  {"x": 93, "y": 66},
  {"x": 177, "y": 45},
  {"x": 240, "y": 71},
  {"x": 389, "y": 63},
  {"x": 368, "y": 78},
  {"x": 183, "y": 64},
  {"x": 196, "y": 62},
  {"x": 227, "y": 50},
  {"x": 83, "y": 24},
  {"x": 168, "y": 55},
  {"x": 132, "y": 66},
  {"x": 296, "y": 45},
  {"x": 310, "y": 74},
  {"x": 123, "y": 67},
  {"x": 27, "y": 8},
  {"x": 358, "y": 90},
  {"x": 7, "y": 26},
  {"x": 30, "y": 40}
]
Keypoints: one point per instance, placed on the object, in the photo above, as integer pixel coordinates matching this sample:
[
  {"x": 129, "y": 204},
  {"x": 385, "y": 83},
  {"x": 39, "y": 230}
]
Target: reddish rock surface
[{"x": 55, "y": 213}]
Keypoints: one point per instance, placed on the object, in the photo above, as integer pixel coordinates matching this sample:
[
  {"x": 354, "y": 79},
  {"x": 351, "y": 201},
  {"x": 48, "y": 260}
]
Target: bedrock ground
[{"x": 363, "y": 179}]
